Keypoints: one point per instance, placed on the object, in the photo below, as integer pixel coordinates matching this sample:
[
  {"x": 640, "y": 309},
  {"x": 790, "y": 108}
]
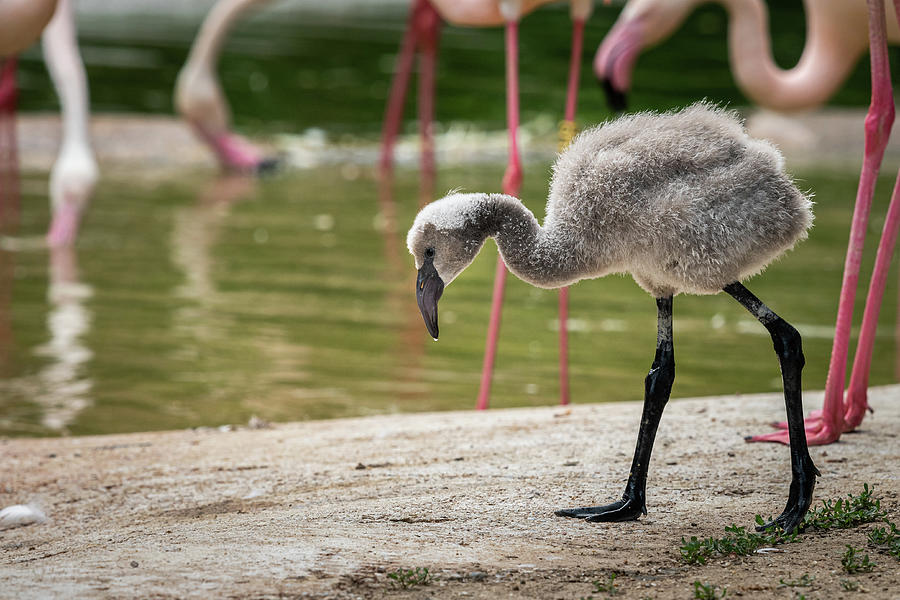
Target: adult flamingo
[
  {"x": 74, "y": 173},
  {"x": 838, "y": 33},
  {"x": 422, "y": 34}
]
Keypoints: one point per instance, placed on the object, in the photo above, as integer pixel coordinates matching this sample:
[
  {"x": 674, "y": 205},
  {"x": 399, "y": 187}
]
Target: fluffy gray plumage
[{"x": 686, "y": 202}]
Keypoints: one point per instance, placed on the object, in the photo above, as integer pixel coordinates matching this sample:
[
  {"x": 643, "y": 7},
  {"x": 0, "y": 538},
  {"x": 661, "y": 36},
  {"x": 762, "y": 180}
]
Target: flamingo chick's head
[
  {"x": 642, "y": 23},
  {"x": 444, "y": 239}
]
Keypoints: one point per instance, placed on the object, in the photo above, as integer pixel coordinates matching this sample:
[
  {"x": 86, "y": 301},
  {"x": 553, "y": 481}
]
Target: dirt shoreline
[{"x": 327, "y": 509}]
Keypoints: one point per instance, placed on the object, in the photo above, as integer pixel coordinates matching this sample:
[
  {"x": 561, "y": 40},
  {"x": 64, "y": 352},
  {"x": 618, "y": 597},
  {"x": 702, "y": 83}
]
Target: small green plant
[
  {"x": 804, "y": 581},
  {"x": 848, "y": 585},
  {"x": 608, "y": 586},
  {"x": 407, "y": 578},
  {"x": 707, "y": 591},
  {"x": 740, "y": 542},
  {"x": 843, "y": 513},
  {"x": 852, "y": 563},
  {"x": 886, "y": 539}
]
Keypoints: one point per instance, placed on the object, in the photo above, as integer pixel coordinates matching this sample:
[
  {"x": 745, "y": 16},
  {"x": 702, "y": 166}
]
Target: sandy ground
[{"x": 328, "y": 509}]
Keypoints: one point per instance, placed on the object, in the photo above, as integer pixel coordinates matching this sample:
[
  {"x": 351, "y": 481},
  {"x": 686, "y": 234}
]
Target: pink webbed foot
[
  {"x": 64, "y": 226},
  {"x": 811, "y": 423},
  {"x": 824, "y": 434},
  {"x": 853, "y": 415},
  {"x": 857, "y": 405}
]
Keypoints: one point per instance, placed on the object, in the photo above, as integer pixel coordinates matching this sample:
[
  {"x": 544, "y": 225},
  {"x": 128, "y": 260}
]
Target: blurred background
[{"x": 194, "y": 298}]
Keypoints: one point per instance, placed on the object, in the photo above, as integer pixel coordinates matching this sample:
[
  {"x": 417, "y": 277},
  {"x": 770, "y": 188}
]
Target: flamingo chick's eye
[{"x": 429, "y": 252}]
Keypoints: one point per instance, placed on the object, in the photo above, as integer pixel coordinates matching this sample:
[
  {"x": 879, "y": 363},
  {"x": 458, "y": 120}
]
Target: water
[
  {"x": 193, "y": 300},
  {"x": 204, "y": 301}
]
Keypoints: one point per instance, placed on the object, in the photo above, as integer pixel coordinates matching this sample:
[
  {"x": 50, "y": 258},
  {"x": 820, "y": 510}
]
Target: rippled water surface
[{"x": 203, "y": 301}]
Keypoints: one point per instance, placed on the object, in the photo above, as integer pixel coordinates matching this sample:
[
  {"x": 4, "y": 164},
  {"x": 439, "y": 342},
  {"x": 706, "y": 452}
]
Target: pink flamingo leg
[
  {"x": 897, "y": 341},
  {"x": 564, "y": 396},
  {"x": 512, "y": 181},
  {"x": 8, "y": 85},
  {"x": 856, "y": 403},
  {"x": 393, "y": 113},
  {"x": 429, "y": 28},
  {"x": 512, "y": 178},
  {"x": 574, "y": 68},
  {"x": 827, "y": 426}
]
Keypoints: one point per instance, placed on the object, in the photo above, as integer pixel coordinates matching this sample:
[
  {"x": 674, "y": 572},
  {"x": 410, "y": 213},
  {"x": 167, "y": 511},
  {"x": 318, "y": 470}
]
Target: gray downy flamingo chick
[{"x": 686, "y": 202}]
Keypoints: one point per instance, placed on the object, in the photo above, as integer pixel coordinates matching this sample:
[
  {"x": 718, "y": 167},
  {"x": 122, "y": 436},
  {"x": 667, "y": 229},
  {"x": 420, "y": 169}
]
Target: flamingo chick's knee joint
[{"x": 685, "y": 202}]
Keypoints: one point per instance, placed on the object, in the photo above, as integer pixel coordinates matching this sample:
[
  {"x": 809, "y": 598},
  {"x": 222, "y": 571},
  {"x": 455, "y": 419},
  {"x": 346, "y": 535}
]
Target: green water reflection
[{"x": 203, "y": 301}]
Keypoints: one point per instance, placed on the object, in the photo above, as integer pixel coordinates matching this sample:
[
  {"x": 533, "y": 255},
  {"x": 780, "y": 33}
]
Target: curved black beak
[
  {"x": 615, "y": 99},
  {"x": 429, "y": 288}
]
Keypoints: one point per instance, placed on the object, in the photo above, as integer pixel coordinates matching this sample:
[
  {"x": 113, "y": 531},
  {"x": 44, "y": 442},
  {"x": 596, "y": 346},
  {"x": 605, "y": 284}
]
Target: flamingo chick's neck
[{"x": 541, "y": 256}]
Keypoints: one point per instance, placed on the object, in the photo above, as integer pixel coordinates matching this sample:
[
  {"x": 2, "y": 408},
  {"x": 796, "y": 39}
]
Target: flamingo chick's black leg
[
  {"x": 657, "y": 387},
  {"x": 789, "y": 349}
]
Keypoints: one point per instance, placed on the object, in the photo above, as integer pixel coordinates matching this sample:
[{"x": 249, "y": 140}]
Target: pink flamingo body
[
  {"x": 838, "y": 33},
  {"x": 21, "y": 23}
]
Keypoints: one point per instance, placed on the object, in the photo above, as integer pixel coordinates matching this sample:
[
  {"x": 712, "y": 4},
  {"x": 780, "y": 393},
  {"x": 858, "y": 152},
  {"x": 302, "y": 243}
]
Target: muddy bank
[{"x": 331, "y": 508}]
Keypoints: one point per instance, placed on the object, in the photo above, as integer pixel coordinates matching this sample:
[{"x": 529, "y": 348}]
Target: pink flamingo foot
[
  {"x": 853, "y": 416},
  {"x": 824, "y": 435},
  {"x": 812, "y": 422},
  {"x": 857, "y": 405},
  {"x": 64, "y": 227}
]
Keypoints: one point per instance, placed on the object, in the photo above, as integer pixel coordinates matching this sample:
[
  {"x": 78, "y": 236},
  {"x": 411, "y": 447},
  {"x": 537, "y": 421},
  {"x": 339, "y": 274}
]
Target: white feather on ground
[{"x": 21, "y": 514}]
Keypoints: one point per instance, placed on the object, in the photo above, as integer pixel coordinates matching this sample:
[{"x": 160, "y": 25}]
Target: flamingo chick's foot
[
  {"x": 799, "y": 500},
  {"x": 64, "y": 226},
  {"x": 626, "y": 509}
]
